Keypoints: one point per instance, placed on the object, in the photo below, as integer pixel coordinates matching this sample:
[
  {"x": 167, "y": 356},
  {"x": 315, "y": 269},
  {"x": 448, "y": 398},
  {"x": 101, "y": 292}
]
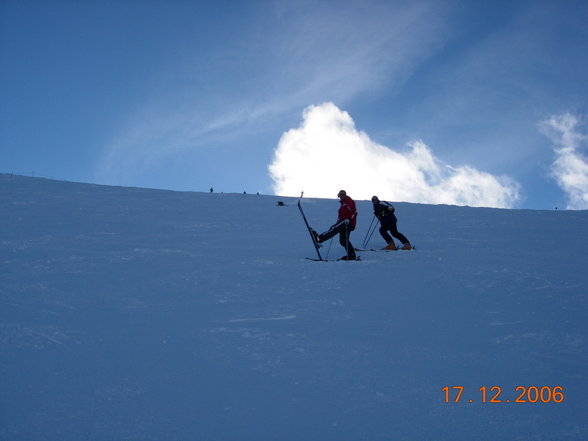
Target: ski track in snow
[{"x": 148, "y": 315}]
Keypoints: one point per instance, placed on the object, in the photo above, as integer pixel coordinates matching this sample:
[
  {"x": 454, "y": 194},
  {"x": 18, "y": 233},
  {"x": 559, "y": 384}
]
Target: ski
[
  {"x": 314, "y": 242},
  {"x": 336, "y": 260},
  {"x": 383, "y": 250}
]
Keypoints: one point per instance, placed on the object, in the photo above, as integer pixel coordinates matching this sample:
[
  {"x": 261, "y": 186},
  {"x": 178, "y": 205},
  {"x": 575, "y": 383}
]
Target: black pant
[
  {"x": 344, "y": 230},
  {"x": 389, "y": 224}
]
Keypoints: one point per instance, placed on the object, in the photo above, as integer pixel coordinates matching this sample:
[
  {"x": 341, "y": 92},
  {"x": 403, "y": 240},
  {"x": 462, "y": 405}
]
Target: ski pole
[
  {"x": 366, "y": 238},
  {"x": 373, "y": 229},
  {"x": 371, "y": 234},
  {"x": 329, "y": 249},
  {"x": 368, "y": 232},
  {"x": 346, "y": 240}
]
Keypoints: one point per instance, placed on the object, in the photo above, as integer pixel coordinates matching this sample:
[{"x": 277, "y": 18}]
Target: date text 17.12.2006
[{"x": 496, "y": 394}]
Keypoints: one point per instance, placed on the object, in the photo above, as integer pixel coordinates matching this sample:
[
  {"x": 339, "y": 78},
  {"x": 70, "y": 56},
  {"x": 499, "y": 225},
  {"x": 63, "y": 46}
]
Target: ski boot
[{"x": 390, "y": 247}]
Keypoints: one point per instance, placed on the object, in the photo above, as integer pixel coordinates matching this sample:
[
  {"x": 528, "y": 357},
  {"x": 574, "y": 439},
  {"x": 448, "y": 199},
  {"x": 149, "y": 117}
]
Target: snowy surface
[{"x": 136, "y": 314}]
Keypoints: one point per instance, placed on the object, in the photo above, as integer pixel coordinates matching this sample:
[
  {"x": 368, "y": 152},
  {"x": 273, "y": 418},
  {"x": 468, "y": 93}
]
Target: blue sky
[{"x": 478, "y": 103}]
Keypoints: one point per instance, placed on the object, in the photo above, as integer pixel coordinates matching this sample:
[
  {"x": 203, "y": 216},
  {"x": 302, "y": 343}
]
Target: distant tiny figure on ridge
[
  {"x": 385, "y": 214},
  {"x": 345, "y": 224}
]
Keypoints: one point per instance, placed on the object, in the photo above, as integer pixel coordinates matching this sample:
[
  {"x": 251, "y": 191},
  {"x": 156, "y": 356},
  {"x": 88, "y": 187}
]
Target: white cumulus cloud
[
  {"x": 570, "y": 168},
  {"x": 327, "y": 153}
]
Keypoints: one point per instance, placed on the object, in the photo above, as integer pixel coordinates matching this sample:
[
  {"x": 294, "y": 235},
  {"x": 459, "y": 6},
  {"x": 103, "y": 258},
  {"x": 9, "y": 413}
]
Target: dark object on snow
[{"x": 280, "y": 204}]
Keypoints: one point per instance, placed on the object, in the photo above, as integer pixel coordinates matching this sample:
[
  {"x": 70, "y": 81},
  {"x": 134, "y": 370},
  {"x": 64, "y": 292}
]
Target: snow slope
[{"x": 137, "y": 314}]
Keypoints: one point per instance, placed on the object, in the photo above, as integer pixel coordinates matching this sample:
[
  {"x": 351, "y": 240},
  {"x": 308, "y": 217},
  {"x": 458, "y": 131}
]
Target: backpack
[
  {"x": 389, "y": 205},
  {"x": 389, "y": 211}
]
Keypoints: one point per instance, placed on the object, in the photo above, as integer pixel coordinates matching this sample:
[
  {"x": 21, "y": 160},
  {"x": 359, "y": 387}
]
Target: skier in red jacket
[{"x": 345, "y": 224}]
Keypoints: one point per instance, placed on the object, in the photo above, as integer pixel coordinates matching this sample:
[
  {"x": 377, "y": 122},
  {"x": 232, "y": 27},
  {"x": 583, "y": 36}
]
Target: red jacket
[{"x": 347, "y": 211}]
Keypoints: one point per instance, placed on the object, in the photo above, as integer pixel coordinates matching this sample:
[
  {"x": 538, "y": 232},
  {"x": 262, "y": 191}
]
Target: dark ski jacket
[
  {"x": 384, "y": 211},
  {"x": 347, "y": 211}
]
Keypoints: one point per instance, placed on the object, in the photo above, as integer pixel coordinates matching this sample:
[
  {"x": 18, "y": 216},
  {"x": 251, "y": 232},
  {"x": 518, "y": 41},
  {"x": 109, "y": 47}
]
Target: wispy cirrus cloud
[
  {"x": 327, "y": 153},
  {"x": 570, "y": 167},
  {"x": 338, "y": 51},
  {"x": 308, "y": 52},
  {"x": 507, "y": 65}
]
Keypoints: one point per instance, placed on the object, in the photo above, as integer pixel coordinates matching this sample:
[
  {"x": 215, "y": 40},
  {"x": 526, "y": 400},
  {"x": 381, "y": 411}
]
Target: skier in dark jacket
[
  {"x": 385, "y": 213},
  {"x": 345, "y": 224}
]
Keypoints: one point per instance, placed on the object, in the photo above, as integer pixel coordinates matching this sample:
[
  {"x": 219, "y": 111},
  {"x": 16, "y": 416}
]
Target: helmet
[{"x": 341, "y": 193}]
